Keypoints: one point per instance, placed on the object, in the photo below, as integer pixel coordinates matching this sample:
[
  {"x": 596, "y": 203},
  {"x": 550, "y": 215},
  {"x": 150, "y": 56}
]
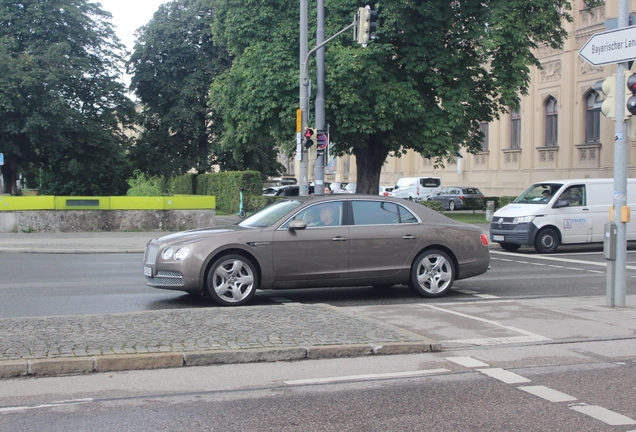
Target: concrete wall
[{"x": 105, "y": 220}]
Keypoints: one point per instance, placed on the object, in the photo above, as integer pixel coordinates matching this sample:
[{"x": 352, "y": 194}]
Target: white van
[
  {"x": 558, "y": 212},
  {"x": 416, "y": 187}
]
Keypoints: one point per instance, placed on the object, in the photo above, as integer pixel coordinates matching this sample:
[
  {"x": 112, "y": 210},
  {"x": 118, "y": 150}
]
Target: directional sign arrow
[{"x": 614, "y": 46}]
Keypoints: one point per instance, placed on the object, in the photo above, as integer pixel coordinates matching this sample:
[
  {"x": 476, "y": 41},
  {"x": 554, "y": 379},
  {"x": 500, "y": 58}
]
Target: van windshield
[{"x": 539, "y": 193}]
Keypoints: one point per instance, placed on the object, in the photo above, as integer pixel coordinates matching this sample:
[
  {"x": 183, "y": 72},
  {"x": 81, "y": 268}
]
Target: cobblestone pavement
[{"x": 89, "y": 343}]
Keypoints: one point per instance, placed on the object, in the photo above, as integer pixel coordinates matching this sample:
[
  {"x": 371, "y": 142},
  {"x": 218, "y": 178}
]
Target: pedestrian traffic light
[
  {"x": 366, "y": 24},
  {"x": 608, "y": 87},
  {"x": 631, "y": 95},
  {"x": 310, "y": 137}
]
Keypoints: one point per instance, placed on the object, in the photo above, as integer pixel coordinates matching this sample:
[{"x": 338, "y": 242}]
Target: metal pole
[
  {"x": 319, "y": 166},
  {"x": 620, "y": 170},
  {"x": 304, "y": 98}
]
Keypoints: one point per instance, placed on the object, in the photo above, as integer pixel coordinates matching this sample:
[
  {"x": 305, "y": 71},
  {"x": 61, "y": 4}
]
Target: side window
[
  {"x": 575, "y": 195},
  {"x": 375, "y": 213},
  {"x": 325, "y": 214},
  {"x": 406, "y": 216}
]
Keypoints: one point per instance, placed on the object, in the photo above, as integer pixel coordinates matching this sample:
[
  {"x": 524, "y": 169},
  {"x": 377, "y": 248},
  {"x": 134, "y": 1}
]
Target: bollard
[{"x": 490, "y": 209}]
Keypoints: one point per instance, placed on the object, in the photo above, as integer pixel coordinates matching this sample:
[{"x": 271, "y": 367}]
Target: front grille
[
  {"x": 166, "y": 278},
  {"x": 151, "y": 253},
  {"x": 506, "y": 223}
]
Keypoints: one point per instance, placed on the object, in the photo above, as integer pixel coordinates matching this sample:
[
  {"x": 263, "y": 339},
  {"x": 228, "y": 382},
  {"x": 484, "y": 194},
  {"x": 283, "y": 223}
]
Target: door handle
[
  {"x": 339, "y": 238},
  {"x": 409, "y": 237}
]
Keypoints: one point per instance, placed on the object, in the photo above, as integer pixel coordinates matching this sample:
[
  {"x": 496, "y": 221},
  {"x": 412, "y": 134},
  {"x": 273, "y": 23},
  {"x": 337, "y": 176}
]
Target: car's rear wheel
[
  {"x": 432, "y": 274},
  {"x": 547, "y": 241},
  {"x": 510, "y": 247},
  {"x": 451, "y": 205},
  {"x": 232, "y": 280}
]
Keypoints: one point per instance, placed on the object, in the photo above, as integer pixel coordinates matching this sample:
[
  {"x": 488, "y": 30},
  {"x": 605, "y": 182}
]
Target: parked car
[
  {"x": 385, "y": 190},
  {"x": 350, "y": 188},
  {"x": 452, "y": 197},
  {"x": 320, "y": 241},
  {"x": 414, "y": 188}
]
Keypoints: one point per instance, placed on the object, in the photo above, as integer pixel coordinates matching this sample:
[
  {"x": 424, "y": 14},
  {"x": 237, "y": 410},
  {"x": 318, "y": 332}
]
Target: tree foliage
[
  {"x": 61, "y": 105},
  {"x": 436, "y": 70},
  {"x": 172, "y": 66}
]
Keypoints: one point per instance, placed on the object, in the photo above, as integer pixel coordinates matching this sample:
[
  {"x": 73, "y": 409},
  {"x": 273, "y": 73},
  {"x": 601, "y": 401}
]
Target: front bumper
[{"x": 521, "y": 234}]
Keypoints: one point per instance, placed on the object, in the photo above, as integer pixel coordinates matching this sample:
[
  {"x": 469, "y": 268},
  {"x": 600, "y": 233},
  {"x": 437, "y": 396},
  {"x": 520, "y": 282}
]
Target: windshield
[
  {"x": 270, "y": 214},
  {"x": 539, "y": 193},
  {"x": 404, "y": 182}
]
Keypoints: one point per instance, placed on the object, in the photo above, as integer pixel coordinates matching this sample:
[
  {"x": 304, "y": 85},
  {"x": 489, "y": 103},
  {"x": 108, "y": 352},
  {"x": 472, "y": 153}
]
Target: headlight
[
  {"x": 182, "y": 253},
  {"x": 167, "y": 253},
  {"x": 523, "y": 219}
]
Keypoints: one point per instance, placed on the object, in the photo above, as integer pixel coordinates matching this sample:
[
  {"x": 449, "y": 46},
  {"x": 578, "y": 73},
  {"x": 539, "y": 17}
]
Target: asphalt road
[{"x": 63, "y": 284}]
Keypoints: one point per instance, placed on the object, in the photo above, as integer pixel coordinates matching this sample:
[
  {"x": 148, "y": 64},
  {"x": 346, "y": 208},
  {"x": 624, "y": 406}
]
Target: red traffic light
[{"x": 308, "y": 133}]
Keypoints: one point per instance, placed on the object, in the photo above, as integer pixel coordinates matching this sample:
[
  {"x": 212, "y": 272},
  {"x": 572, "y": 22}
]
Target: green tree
[
  {"x": 172, "y": 66},
  {"x": 62, "y": 107},
  {"x": 436, "y": 70}
]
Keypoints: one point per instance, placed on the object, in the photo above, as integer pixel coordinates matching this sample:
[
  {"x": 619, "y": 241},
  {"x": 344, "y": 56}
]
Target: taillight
[
  {"x": 461, "y": 197},
  {"x": 484, "y": 239}
]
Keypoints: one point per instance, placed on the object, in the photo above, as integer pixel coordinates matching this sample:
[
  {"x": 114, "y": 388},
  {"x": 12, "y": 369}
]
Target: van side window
[{"x": 575, "y": 195}]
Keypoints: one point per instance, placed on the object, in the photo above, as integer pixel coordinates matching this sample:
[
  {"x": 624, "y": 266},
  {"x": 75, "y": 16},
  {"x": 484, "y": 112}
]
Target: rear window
[{"x": 430, "y": 182}]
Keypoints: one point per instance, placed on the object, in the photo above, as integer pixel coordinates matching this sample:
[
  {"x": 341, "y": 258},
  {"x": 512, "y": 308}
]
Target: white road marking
[
  {"x": 49, "y": 405},
  {"x": 487, "y": 296},
  {"x": 547, "y": 393},
  {"x": 504, "y": 375},
  {"x": 565, "y": 260},
  {"x": 406, "y": 374},
  {"x": 532, "y": 337},
  {"x": 604, "y": 415},
  {"x": 467, "y": 291},
  {"x": 497, "y": 341},
  {"x": 468, "y": 362}
]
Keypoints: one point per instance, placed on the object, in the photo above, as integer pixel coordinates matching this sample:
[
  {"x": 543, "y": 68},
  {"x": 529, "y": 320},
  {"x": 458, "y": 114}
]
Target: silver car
[{"x": 320, "y": 241}]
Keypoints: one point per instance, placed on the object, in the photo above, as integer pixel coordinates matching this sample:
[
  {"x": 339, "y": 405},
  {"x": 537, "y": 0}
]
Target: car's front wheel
[
  {"x": 232, "y": 280},
  {"x": 547, "y": 241},
  {"x": 432, "y": 274}
]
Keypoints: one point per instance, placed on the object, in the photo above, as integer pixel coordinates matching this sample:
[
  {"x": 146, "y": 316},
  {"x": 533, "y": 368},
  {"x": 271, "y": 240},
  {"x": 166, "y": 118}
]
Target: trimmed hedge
[
  {"x": 183, "y": 184},
  {"x": 226, "y": 185}
]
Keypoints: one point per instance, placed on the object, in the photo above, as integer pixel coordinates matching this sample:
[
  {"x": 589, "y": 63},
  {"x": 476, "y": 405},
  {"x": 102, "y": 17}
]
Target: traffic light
[
  {"x": 631, "y": 95},
  {"x": 366, "y": 24},
  {"x": 608, "y": 87},
  {"x": 310, "y": 137}
]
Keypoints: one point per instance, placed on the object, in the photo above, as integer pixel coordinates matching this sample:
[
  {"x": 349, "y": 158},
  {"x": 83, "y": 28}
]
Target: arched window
[
  {"x": 593, "y": 118},
  {"x": 515, "y": 129},
  {"x": 551, "y": 122}
]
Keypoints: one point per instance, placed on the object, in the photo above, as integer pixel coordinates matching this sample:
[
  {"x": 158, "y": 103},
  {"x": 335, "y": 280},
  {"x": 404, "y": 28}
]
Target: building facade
[{"x": 558, "y": 132}]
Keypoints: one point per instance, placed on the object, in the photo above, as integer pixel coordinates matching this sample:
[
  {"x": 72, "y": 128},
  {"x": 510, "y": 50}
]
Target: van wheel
[
  {"x": 547, "y": 241},
  {"x": 510, "y": 247}
]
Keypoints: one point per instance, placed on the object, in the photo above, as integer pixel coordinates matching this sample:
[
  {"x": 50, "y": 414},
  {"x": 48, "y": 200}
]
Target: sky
[{"x": 129, "y": 15}]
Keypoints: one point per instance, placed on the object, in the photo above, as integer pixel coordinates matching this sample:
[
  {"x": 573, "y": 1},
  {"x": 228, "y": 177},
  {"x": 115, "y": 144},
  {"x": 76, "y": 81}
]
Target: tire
[
  {"x": 241, "y": 214},
  {"x": 510, "y": 247},
  {"x": 451, "y": 205},
  {"x": 432, "y": 274},
  {"x": 547, "y": 241},
  {"x": 232, "y": 280}
]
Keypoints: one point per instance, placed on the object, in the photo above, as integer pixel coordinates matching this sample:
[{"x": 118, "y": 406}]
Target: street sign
[
  {"x": 322, "y": 141},
  {"x": 614, "y": 46},
  {"x": 1, "y": 158}
]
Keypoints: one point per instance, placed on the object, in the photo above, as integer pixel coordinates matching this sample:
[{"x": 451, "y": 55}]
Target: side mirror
[
  {"x": 297, "y": 224},
  {"x": 561, "y": 203}
]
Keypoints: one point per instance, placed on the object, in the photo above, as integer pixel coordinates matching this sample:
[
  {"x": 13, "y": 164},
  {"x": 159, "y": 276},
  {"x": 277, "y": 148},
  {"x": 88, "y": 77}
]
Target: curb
[{"x": 118, "y": 363}]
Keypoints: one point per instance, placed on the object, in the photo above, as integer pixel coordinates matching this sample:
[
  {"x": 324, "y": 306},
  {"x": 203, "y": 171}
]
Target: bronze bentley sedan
[{"x": 320, "y": 241}]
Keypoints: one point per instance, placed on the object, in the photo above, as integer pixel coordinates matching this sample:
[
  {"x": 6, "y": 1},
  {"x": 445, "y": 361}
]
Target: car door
[
  {"x": 379, "y": 243},
  {"x": 315, "y": 253},
  {"x": 574, "y": 220}
]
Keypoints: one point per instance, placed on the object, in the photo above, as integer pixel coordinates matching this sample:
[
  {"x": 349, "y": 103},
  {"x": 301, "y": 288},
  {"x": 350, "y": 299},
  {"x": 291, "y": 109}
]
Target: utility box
[
  {"x": 609, "y": 241},
  {"x": 490, "y": 210}
]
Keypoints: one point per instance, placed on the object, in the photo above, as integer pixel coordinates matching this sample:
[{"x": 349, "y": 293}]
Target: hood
[
  {"x": 196, "y": 235},
  {"x": 517, "y": 209}
]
